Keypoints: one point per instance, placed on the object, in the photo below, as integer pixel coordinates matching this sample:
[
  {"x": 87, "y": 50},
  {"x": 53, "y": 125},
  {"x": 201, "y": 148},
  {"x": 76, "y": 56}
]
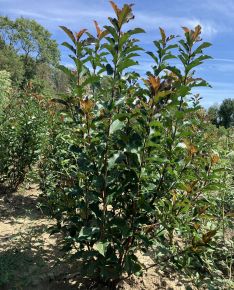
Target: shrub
[
  {"x": 129, "y": 162},
  {"x": 20, "y": 137}
]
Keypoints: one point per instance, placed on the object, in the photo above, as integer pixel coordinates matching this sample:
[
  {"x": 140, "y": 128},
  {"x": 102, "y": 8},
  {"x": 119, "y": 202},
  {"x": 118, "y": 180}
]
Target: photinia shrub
[{"x": 127, "y": 166}]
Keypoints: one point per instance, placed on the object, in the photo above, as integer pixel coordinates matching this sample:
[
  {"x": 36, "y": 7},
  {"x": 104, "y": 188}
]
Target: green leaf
[
  {"x": 201, "y": 47},
  {"x": 116, "y": 125},
  {"x": 112, "y": 31},
  {"x": 157, "y": 44},
  {"x": 175, "y": 70},
  {"x": 156, "y": 124},
  {"x": 87, "y": 233},
  {"x": 154, "y": 57},
  {"x": 183, "y": 59},
  {"x": 197, "y": 62},
  {"x": 132, "y": 265},
  {"x": 183, "y": 91},
  {"x": 111, "y": 161},
  {"x": 135, "y": 31},
  {"x": 101, "y": 247},
  {"x": 69, "y": 46},
  {"x": 161, "y": 95},
  {"x": 168, "y": 56},
  {"x": 110, "y": 48},
  {"x": 171, "y": 46},
  {"x": 201, "y": 83},
  {"x": 184, "y": 45},
  {"x": 127, "y": 63},
  {"x": 132, "y": 48}
]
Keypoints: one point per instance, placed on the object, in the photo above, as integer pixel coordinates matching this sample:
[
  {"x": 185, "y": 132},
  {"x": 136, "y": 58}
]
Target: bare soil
[{"x": 31, "y": 259}]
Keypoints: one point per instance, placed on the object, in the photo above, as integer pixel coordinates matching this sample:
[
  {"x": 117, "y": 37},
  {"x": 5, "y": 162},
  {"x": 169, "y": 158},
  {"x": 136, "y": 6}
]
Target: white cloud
[
  {"x": 224, "y": 59},
  {"x": 85, "y": 13},
  {"x": 173, "y": 23},
  {"x": 209, "y": 29},
  {"x": 61, "y": 15},
  {"x": 221, "y": 65},
  {"x": 225, "y": 7}
]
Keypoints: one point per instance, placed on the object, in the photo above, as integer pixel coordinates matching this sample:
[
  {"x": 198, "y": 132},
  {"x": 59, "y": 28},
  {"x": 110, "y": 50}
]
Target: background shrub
[{"x": 22, "y": 124}]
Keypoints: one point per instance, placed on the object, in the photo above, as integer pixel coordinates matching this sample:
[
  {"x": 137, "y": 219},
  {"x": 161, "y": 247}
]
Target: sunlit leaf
[{"x": 116, "y": 125}]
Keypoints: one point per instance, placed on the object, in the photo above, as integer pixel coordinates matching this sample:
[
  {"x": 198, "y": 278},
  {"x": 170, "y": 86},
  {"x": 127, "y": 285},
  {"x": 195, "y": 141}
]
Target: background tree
[
  {"x": 27, "y": 42},
  {"x": 30, "y": 39},
  {"x": 226, "y": 113}
]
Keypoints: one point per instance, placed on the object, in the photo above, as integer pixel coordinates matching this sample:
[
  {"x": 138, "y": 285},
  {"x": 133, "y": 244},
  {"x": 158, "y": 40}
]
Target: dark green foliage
[
  {"x": 20, "y": 138},
  {"x": 11, "y": 62},
  {"x": 222, "y": 115},
  {"x": 226, "y": 113}
]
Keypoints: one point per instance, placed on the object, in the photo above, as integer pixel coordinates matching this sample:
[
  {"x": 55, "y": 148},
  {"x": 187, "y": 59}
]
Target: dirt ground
[{"x": 31, "y": 259}]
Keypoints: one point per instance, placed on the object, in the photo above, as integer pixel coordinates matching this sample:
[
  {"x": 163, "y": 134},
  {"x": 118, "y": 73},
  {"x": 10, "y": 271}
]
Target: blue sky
[{"x": 215, "y": 17}]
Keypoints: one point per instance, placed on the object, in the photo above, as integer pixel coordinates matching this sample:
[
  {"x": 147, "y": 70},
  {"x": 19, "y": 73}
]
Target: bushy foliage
[
  {"x": 222, "y": 115},
  {"x": 12, "y": 63},
  {"x": 226, "y": 113},
  {"x": 5, "y": 87},
  {"x": 198, "y": 216},
  {"x": 130, "y": 164},
  {"x": 20, "y": 138}
]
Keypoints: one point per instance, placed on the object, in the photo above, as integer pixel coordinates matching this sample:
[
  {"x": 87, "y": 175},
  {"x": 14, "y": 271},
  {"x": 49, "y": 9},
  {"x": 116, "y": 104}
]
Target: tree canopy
[
  {"x": 222, "y": 115},
  {"x": 226, "y": 113},
  {"x": 29, "y": 39},
  {"x": 25, "y": 46}
]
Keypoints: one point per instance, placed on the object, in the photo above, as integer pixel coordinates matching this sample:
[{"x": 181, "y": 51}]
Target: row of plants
[
  {"x": 131, "y": 163},
  {"x": 23, "y": 122}
]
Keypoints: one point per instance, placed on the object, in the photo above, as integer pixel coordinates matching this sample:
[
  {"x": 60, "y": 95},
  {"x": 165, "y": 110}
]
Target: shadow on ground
[
  {"x": 15, "y": 205},
  {"x": 30, "y": 259}
]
